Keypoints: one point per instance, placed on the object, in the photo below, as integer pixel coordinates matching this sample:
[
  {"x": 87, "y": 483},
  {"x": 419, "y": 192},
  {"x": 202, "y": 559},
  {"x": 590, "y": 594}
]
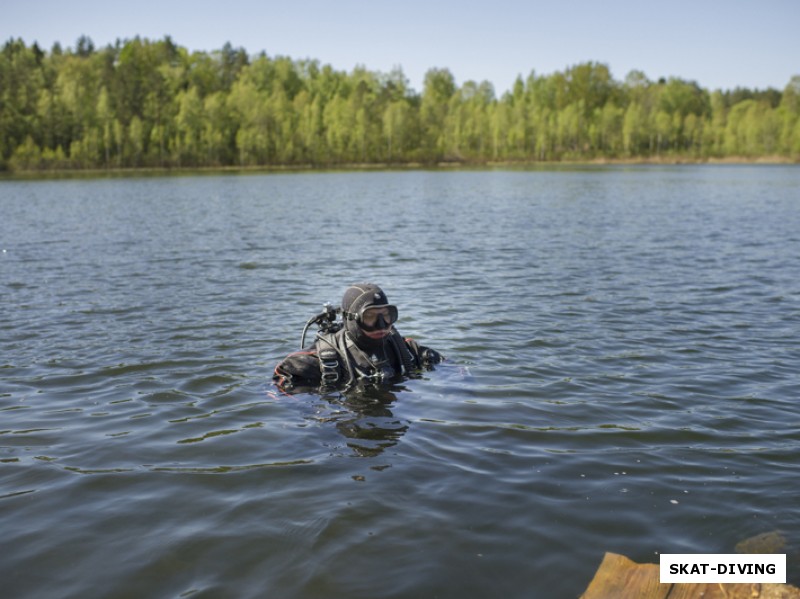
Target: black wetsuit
[{"x": 336, "y": 361}]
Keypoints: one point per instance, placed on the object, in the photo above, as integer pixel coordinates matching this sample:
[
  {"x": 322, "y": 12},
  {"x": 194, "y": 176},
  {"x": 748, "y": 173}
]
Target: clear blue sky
[{"x": 721, "y": 44}]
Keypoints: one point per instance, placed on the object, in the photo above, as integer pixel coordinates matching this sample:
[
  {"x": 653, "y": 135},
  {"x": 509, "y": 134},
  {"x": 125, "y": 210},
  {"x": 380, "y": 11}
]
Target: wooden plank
[
  {"x": 734, "y": 591},
  {"x": 620, "y": 578},
  {"x": 713, "y": 591}
]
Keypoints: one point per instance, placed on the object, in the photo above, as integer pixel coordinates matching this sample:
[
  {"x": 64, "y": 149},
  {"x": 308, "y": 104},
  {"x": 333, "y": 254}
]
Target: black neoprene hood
[
  {"x": 362, "y": 295},
  {"x": 356, "y": 298}
]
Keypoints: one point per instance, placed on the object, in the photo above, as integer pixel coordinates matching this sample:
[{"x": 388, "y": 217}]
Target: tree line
[{"x": 143, "y": 103}]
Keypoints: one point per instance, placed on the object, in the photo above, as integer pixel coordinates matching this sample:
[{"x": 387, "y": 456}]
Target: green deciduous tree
[{"x": 144, "y": 103}]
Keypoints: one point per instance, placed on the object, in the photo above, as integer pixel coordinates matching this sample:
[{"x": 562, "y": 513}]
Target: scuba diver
[{"x": 364, "y": 347}]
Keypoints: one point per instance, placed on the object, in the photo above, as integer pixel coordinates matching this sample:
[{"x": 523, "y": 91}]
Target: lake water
[{"x": 622, "y": 375}]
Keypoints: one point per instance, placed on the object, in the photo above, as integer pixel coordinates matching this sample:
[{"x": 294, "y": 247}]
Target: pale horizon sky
[{"x": 720, "y": 45}]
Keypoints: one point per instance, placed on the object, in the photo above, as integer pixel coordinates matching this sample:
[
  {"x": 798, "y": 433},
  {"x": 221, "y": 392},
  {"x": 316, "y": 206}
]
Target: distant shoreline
[
  {"x": 385, "y": 166},
  {"x": 155, "y": 106}
]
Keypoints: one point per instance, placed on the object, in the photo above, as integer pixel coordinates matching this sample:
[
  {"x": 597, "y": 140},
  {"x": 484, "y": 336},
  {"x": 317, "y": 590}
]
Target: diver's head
[{"x": 368, "y": 316}]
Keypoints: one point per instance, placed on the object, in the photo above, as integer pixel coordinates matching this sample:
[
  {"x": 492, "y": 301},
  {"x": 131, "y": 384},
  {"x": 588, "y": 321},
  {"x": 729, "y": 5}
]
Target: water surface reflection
[{"x": 363, "y": 416}]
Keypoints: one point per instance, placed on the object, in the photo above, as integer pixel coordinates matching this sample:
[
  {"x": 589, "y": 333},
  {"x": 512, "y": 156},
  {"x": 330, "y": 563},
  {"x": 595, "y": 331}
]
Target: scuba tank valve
[{"x": 325, "y": 320}]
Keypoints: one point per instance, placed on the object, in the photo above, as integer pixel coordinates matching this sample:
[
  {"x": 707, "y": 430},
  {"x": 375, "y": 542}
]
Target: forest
[{"x": 152, "y": 104}]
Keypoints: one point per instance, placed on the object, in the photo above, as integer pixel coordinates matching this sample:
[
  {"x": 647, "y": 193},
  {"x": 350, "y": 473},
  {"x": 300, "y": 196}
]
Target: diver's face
[
  {"x": 379, "y": 334},
  {"x": 377, "y": 322}
]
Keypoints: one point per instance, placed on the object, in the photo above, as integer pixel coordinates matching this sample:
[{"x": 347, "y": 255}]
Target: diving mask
[{"x": 374, "y": 318}]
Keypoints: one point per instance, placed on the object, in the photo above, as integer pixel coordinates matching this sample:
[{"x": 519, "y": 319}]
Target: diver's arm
[
  {"x": 300, "y": 369},
  {"x": 426, "y": 356}
]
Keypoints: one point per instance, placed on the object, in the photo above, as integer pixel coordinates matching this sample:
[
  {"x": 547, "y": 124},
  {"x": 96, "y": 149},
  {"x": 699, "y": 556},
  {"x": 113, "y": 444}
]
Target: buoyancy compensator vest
[{"x": 343, "y": 362}]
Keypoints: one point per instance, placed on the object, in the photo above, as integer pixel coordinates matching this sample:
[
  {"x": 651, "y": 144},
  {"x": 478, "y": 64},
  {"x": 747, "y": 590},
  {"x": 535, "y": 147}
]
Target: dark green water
[{"x": 622, "y": 376}]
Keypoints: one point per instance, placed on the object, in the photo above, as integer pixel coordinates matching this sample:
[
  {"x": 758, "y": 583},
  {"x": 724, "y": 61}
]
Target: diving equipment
[{"x": 325, "y": 320}]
